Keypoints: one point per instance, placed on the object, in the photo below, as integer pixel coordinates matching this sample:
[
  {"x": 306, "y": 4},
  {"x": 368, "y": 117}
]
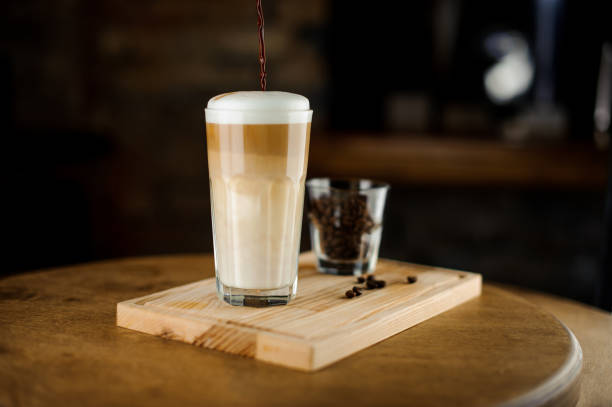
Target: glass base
[
  {"x": 344, "y": 268},
  {"x": 256, "y": 297}
]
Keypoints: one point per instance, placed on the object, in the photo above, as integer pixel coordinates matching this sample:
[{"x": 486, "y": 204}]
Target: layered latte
[{"x": 257, "y": 158}]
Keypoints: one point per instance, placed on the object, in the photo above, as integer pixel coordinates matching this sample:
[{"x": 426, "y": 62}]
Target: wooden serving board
[{"x": 319, "y": 327}]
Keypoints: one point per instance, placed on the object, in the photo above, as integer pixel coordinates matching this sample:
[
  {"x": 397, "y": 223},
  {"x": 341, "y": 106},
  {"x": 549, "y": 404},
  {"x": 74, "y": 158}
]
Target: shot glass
[{"x": 346, "y": 222}]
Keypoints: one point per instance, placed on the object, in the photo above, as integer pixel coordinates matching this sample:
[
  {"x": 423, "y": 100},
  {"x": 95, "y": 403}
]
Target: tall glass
[{"x": 257, "y": 146}]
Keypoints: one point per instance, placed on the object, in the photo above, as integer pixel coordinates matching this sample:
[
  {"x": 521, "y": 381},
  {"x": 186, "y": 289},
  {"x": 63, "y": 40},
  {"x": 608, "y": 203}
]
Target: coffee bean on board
[
  {"x": 350, "y": 294},
  {"x": 371, "y": 284},
  {"x": 411, "y": 279}
]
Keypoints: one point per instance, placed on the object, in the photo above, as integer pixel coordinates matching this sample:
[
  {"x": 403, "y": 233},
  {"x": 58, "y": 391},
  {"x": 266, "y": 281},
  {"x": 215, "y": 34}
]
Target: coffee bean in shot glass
[{"x": 346, "y": 224}]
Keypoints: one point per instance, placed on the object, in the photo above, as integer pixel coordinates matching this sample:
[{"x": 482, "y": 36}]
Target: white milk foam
[{"x": 257, "y": 107}]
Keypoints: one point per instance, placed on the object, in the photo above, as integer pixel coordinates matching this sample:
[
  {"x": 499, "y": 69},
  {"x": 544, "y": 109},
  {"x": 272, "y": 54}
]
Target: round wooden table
[{"x": 59, "y": 345}]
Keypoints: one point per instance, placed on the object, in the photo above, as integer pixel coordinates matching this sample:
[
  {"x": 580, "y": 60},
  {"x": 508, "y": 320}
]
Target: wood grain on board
[{"x": 319, "y": 327}]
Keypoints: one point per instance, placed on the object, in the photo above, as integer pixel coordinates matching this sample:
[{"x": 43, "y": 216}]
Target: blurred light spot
[{"x": 512, "y": 74}]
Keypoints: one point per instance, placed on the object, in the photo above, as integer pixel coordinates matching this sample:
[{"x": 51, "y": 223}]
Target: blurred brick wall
[{"x": 138, "y": 73}]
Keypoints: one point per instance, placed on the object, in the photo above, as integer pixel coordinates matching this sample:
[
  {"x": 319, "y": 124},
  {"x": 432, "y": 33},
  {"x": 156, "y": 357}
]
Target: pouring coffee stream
[{"x": 262, "y": 46}]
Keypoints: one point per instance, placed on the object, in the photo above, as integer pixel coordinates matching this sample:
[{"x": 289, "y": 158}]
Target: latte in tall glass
[{"x": 257, "y": 157}]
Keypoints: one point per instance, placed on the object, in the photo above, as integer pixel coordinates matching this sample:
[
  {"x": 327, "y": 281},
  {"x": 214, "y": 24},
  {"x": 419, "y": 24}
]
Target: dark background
[{"x": 101, "y": 112}]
